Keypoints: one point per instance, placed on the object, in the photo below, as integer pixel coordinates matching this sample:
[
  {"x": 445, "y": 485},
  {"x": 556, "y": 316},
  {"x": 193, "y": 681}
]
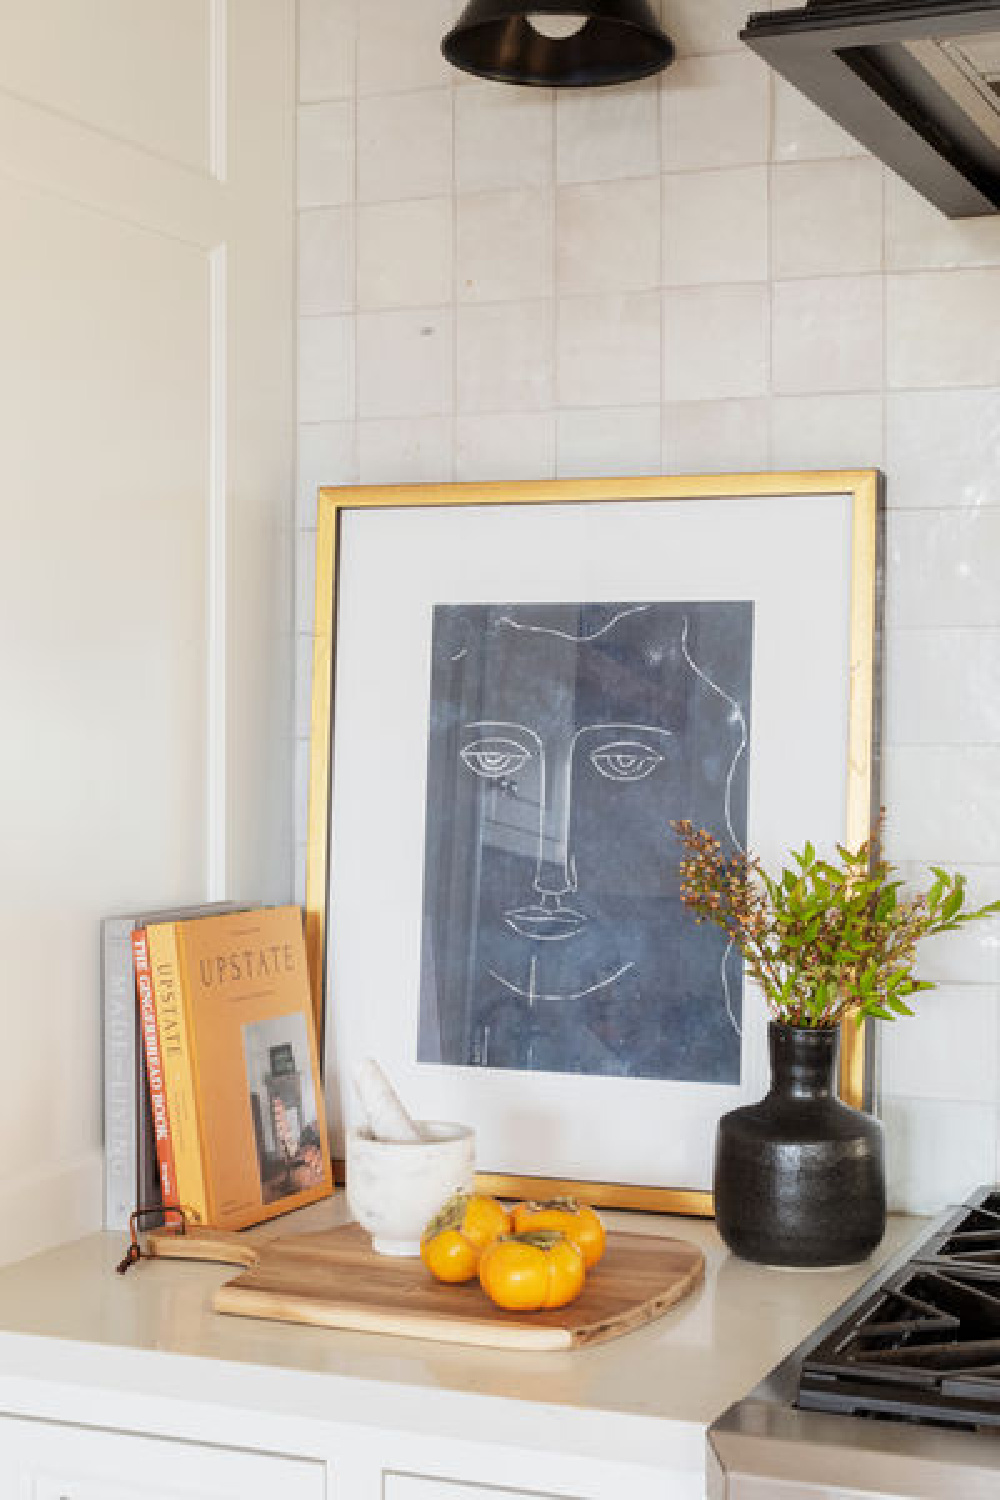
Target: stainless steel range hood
[{"x": 916, "y": 81}]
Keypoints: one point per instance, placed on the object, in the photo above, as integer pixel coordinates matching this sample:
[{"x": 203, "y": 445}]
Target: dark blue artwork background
[{"x": 555, "y": 940}]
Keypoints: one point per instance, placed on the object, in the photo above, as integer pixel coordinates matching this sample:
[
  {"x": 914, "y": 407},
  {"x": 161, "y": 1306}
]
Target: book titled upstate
[{"x": 240, "y": 1066}]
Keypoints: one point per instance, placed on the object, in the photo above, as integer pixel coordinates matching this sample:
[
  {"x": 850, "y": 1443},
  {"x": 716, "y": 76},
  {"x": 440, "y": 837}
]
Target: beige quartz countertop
[{"x": 682, "y": 1370}]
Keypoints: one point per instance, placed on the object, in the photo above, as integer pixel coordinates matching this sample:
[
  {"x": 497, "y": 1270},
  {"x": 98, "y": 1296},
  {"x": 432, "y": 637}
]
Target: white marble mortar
[{"x": 395, "y": 1188}]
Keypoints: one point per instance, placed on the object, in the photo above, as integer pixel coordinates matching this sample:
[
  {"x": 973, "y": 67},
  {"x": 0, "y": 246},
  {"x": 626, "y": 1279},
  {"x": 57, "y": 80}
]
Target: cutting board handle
[{"x": 201, "y": 1244}]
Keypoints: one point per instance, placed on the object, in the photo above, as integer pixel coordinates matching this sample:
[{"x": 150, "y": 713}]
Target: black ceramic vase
[{"x": 799, "y": 1177}]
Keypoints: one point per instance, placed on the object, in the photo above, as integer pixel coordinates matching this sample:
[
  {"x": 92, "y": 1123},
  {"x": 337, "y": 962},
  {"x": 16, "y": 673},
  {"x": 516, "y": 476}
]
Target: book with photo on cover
[{"x": 240, "y": 1065}]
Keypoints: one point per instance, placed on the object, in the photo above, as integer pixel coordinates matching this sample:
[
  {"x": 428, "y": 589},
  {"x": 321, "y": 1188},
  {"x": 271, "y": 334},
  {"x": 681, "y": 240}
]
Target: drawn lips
[{"x": 545, "y": 922}]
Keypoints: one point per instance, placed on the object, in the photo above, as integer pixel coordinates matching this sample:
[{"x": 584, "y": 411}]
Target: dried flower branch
[{"x": 822, "y": 939}]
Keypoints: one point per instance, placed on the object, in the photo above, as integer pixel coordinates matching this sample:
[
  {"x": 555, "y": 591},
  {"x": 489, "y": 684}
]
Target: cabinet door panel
[
  {"x": 39, "y": 1461},
  {"x": 420, "y": 1487}
]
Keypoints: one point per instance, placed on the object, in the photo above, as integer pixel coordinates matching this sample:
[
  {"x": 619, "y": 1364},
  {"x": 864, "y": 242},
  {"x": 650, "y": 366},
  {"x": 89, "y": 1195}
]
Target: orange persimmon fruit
[
  {"x": 569, "y": 1217},
  {"x": 456, "y": 1237},
  {"x": 526, "y": 1272}
]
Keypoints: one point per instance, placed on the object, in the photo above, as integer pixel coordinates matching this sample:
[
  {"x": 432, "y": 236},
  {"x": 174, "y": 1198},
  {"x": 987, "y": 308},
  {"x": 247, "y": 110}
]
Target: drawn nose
[
  {"x": 555, "y": 877},
  {"x": 555, "y": 868}
]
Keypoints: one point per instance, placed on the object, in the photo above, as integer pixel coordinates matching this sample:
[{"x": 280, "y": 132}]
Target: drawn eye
[
  {"x": 494, "y": 757},
  {"x": 625, "y": 760}
]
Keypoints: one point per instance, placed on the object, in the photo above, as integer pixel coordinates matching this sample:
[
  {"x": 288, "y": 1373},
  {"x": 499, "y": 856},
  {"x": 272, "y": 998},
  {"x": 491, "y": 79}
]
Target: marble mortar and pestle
[{"x": 401, "y": 1171}]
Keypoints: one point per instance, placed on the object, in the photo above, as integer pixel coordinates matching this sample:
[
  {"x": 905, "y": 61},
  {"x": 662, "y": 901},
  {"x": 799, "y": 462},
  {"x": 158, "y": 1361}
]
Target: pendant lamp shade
[{"x": 616, "y": 41}]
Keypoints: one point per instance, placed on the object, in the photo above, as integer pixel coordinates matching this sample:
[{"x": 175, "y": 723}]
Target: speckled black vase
[{"x": 799, "y": 1177}]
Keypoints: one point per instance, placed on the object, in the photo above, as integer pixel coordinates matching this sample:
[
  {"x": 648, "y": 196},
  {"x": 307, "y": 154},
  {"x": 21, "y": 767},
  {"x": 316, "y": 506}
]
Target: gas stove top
[{"x": 924, "y": 1346}]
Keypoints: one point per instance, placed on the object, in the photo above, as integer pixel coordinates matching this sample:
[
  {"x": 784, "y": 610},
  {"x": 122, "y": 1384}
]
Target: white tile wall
[
  {"x": 942, "y": 568},
  {"x": 516, "y": 445},
  {"x": 827, "y": 217},
  {"x": 326, "y": 369},
  {"x": 827, "y": 432},
  {"x": 801, "y": 132},
  {"x": 399, "y": 44},
  {"x": 941, "y": 329},
  {"x": 937, "y": 1150},
  {"x": 326, "y": 154},
  {"x": 609, "y": 350},
  {"x": 406, "y": 362},
  {"x": 943, "y": 448},
  {"x": 699, "y": 211},
  {"x": 420, "y": 278},
  {"x": 610, "y": 440},
  {"x": 405, "y": 145},
  {"x": 407, "y": 450},
  {"x": 715, "y": 112},
  {"x": 715, "y": 342},
  {"x": 827, "y": 334},
  {"x": 705, "y": 437},
  {"x": 326, "y": 261},
  {"x": 328, "y": 454},
  {"x": 696, "y": 27},
  {"x": 328, "y": 32},
  {"x": 505, "y": 245},
  {"x": 609, "y": 236},
  {"x": 504, "y": 138},
  {"x": 506, "y": 358},
  {"x": 918, "y": 238},
  {"x": 604, "y": 133},
  {"x": 692, "y": 274}
]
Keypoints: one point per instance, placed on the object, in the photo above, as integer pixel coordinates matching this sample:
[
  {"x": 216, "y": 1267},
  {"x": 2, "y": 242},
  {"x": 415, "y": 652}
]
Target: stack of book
[{"x": 212, "y": 1096}]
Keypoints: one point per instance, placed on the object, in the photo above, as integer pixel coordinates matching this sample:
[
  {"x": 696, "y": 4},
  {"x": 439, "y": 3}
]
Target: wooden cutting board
[{"x": 334, "y": 1279}]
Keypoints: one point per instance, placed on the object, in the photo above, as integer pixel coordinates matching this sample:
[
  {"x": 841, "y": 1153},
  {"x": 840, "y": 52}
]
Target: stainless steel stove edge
[
  {"x": 767, "y": 1452},
  {"x": 764, "y": 1448}
]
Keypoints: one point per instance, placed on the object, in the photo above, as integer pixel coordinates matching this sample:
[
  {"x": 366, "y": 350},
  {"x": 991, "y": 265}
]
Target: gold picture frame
[{"x": 862, "y": 489}]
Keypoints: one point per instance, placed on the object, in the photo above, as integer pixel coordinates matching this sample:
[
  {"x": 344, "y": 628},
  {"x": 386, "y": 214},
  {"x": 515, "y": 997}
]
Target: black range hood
[{"x": 916, "y": 81}]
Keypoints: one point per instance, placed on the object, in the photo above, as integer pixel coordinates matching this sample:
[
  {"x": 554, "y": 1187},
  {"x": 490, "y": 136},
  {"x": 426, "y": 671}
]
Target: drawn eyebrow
[
  {"x": 503, "y": 724},
  {"x": 616, "y": 728}
]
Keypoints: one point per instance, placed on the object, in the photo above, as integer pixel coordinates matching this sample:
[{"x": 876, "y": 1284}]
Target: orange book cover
[
  {"x": 154, "y": 1068},
  {"x": 254, "y": 1064}
]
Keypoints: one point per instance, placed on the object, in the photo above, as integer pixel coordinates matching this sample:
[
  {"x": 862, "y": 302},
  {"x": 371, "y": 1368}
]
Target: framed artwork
[{"x": 516, "y": 689}]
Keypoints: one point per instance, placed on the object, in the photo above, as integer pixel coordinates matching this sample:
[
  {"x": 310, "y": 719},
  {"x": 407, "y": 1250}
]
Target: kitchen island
[{"x": 131, "y": 1387}]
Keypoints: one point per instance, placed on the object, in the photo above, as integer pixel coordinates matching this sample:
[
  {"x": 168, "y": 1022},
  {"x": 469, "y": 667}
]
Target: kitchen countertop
[{"x": 153, "y": 1331}]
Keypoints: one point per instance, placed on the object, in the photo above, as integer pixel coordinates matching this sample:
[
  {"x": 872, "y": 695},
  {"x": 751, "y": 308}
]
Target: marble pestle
[{"x": 384, "y": 1115}]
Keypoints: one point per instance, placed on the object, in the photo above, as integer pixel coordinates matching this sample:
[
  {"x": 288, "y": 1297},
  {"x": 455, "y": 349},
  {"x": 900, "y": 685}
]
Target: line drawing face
[
  {"x": 563, "y": 740},
  {"x": 500, "y": 750}
]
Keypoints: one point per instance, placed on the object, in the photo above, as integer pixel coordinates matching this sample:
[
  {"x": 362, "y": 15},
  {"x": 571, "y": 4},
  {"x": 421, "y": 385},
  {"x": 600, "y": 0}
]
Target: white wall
[
  {"x": 146, "y": 459},
  {"x": 699, "y": 273}
]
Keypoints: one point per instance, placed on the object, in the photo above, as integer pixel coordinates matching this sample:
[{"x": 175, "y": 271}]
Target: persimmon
[
  {"x": 569, "y": 1217},
  {"x": 526, "y": 1272},
  {"x": 454, "y": 1240}
]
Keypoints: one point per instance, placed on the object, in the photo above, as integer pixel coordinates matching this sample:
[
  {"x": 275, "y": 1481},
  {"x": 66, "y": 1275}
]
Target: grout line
[
  {"x": 665, "y": 466},
  {"x": 297, "y": 558},
  {"x": 769, "y": 264},
  {"x": 885, "y": 324},
  {"x": 356, "y": 182},
  {"x": 556, "y": 399},
  {"x": 453, "y": 462}
]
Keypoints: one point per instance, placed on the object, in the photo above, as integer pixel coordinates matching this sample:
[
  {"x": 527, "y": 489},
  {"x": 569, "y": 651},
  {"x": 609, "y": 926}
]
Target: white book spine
[{"x": 118, "y": 997}]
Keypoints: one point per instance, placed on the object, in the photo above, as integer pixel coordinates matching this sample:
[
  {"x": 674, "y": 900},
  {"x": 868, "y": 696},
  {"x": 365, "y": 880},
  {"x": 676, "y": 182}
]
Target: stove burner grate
[{"x": 925, "y": 1346}]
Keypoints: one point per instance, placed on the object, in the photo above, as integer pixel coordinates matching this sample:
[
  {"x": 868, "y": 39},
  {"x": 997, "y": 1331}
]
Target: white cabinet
[
  {"x": 42, "y": 1461},
  {"x": 415, "y": 1487}
]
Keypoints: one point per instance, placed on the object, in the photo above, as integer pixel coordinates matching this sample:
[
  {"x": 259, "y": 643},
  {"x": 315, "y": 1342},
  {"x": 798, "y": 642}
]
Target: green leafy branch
[{"x": 823, "y": 938}]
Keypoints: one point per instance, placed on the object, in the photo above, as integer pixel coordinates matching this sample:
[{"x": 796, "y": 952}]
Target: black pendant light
[{"x": 559, "y": 43}]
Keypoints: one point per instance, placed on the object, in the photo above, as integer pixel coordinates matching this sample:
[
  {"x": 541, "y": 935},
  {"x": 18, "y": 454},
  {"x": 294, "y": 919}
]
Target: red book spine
[{"x": 157, "y": 1094}]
